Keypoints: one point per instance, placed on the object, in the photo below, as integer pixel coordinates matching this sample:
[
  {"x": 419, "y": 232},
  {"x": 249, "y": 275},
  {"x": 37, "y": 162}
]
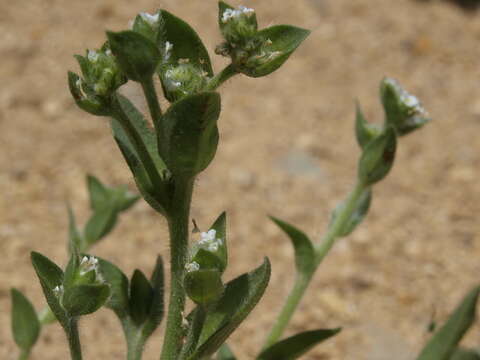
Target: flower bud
[
  {"x": 210, "y": 251},
  {"x": 237, "y": 25},
  {"x": 148, "y": 25},
  {"x": 182, "y": 79},
  {"x": 101, "y": 77},
  {"x": 403, "y": 110}
]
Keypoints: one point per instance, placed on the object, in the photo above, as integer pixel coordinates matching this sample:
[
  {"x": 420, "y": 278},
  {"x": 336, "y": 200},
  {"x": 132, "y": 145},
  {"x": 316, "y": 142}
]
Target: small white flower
[
  {"x": 213, "y": 247},
  {"x": 58, "y": 290},
  {"x": 207, "y": 237},
  {"x": 88, "y": 263},
  {"x": 92, "y": 56},
  {"x": 193, "y": 266},
  {"x": 168, "y": 50},
  {"x": 108, "y": 52},
  {"x": 149, "y": 18},
  {"x": 229, "y": 14},
  {"x": 410, "y": 100}
]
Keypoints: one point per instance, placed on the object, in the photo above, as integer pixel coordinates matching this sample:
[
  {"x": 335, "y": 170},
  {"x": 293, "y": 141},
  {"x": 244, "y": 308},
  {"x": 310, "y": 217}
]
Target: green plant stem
[
  {"x": 24, "y": 354},
  {"x": 153, "y": 104},
  {"x": 221, "y": 77},
  {"x": 133, "y": 336},
  {"x": 137, "y": 142},
  {"x": 73, "y": 339},
  {"x": 321, "y": 250},
  {"x": 178, "y": 222}
]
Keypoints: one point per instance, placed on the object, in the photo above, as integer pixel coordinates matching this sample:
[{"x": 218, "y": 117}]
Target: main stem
[
  {"x": 74, "y": 339},
  {"x": 178, "y": 221},
  {"x": 321, "y": 250}
]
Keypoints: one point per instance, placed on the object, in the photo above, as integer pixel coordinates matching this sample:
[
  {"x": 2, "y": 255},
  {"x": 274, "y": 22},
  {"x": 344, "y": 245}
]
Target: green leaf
[
  {"x": 118, "y": 300},
  {"x": 50, "y": 276},
  {"x": 136, "y": 55},
  {"x": 100, "y": 223},
  {"x": 204, "y": 286},
  {"x": 220, "y": 226},
  {"x": 148, "y": 191},
  {"x": 364, "y": 131},
  {"x": 141, "y": 297},
  {"x": 465, "y": 354},
  {"x": 72, "y": 269},
  {"x": 240, "y": 297},
  {"x": 186, "y": 43},
  {"x": 285, "y": 40},
  {"x": 191, "y": 134},
  {"x": 156, "y": 310},
  {"x": 25, "y": 324},
  {"x": 378, "y": 157},
  {"x": 225, "y": 353},
  {"x": 304, "y": 250},
  {"x": 99, "y": 193},
  {"x": 85, "y": 299},
  {"x": 444, "y": 342},
  {"x": 361, "y": 210},
  {"x": 296, "y": 345}
]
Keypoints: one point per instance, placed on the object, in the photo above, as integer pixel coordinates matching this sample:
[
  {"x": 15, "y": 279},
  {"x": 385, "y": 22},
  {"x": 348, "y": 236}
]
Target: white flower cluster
[
  {"x": 407, "y": 99},
  {"x": 149, "y": 18},
  {"x": 236, "y": 13},
  {"x": 89, "y": 263},
  {"x": 210, "y": 241},
  {"x": 192, "y": 266}
]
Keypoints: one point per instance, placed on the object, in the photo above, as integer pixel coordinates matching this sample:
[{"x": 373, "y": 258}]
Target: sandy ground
[{"x": 418, "y": 250}]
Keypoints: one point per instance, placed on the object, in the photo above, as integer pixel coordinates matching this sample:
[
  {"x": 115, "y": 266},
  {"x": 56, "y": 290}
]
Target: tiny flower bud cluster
[
  {"x": 149, "y": 18},
  {"x": 87, "y": 264},
  {"x": 408, "y": 100},
  {"x": 230, "y": 14},
  {"x": 192, "y": 266},
  {"x": 58, "y": 291},
  {"x": 209, "y": 241},
  {"x": 184, "y": 78}
]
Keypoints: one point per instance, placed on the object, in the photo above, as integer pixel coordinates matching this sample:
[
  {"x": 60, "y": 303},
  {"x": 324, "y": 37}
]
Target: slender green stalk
[
  {"x": 24, "y": 354},
  {"x": 153, "y": 104},
  {"x": 178, "y": 222},
  {"x": 293, "y": 299},
  {"x": 221, "y": 77},
  {"x": 321, "y": 250},
  {"x": 137, "y": 142},
  {"x": 74, "y": 339}
]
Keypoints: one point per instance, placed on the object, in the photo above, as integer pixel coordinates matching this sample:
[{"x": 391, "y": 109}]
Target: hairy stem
[
  {"x": 73, "y": 339},
  {"x": 321, "y": 250},
  {"x": 24, "y": 354},
  {"x": 178, "y": 222},
  {"x": 153, "y": 104},
  {"x": 221, "y": 77}
]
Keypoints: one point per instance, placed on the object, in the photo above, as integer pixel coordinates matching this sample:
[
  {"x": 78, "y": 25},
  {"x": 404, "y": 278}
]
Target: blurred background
[{"x": 287, "y": 149}]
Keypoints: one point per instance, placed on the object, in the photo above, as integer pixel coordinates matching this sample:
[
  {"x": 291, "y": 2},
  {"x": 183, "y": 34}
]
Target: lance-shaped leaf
[
  {"x": 220, "y": 226},
  {"x": 141, "y": 296},
  {"x": 137, "y": 56},
  {"x": 50, "y": 276},
  {"x": 378, "y": 157},
  {"x": 186, "y": 43},
  {"x": 361, "y": 209},
  {"x": 156, "y": 311},
  {"x": 444, "y": 342},
  {"x": 225, "y": 353},
  {"x": 304, "y": 250},
  {"x": 25, "y": 324},
  {"x": 283, "y": 41},
  {"x": 296, "y": 345},
  {"x": 465, "y": 354},
  {"x": 364, "y": 131},
  {"x": 148, "y": 191},
  {"x": 190, "y": 138},
  {"x": 75, "y": 239},
  {"x": 240, "y": 297},
  {"x": 118, "y": 281}
]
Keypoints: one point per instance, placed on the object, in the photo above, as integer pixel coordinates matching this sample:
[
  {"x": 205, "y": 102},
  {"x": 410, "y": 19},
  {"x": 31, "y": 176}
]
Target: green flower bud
[
  {"x": 203, "y": 286},
  {"x": 101, "y": 78},
  {"x": 182, "y": 79},
  {"x": 148, "y": 25},
  {"x": 403, "y": 110},
  {"x": 237, "y": 25}
]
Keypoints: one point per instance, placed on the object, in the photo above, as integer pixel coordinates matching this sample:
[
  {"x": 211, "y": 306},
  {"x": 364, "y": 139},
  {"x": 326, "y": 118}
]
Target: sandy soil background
[{"x": 287, "y": 149}]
